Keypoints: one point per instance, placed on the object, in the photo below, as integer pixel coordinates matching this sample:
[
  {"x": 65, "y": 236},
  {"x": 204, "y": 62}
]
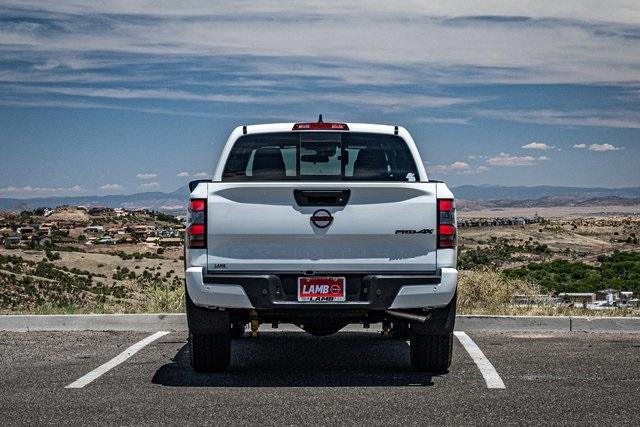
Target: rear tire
[
  {"x": 431, "y": 353},
  {"x": 400, "y": 329},
  {"x": 237, "y": 330},
  {"x": 210, "y": 352}
]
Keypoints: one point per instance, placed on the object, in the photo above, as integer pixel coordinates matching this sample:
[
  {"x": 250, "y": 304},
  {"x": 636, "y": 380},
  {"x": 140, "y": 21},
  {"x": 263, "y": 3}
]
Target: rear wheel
[
  {"x": 210, "y": 352},
  {"x": 431, "y": 353},
  {"x": 400, "y": 329},
  {"x": 237, "y": 330}
]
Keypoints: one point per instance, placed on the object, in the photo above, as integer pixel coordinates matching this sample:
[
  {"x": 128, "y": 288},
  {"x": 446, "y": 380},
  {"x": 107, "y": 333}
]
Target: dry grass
[
  {"x": 490, "y": 289},
  {"x": 155, "y": 297},
  {"x": 489, "y": 292},
  {"x": 163, "y": 298}
]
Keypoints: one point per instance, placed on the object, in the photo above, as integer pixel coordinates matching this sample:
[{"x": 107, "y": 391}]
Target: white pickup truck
[{"x": 321, "y": 225}]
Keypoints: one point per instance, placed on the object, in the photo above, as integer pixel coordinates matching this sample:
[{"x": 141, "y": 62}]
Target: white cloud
[
  {"x": 125, "y": 93},
  {"x": 598, "y": 147},
  {"x": 612, "y": 119},
  {"x": 201, "y": 175},
  {"x": 568, "y": 42},
  {"x": 538, "y": 146},
  {"x": 604, "y": 147},
  {"x": 182, "y": 174},
  {"x": 149, "y": 185},
  {"x": 507, "y": 160},
  {"x": 29, "y": 191},
  {"x": 624, "y": 12},
  {"x": 378, "y": 99},
  {"x": 543, "y": 158},
  {"x": 111, "y": 187},
  {"x": 457, "y": 168},
  {"x": 146, "y": 175},
  {"x": 444, "y": 120},
  {"x": 56, "y": 103}
]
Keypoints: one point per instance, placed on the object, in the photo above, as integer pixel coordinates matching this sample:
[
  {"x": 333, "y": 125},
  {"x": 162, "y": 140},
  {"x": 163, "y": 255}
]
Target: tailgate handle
[{"x": 321, "y": 197}]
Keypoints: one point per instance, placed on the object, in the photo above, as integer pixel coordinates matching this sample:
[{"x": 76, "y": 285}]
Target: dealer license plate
[{"x": 321, "y": 289}]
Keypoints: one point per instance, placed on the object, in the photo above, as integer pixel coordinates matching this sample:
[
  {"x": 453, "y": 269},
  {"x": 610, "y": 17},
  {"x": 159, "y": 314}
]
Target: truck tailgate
[{"x": 260, "y": 227}]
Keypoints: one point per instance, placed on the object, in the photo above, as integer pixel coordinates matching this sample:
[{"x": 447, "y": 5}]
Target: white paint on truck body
[{"x": 257, "y": 226}]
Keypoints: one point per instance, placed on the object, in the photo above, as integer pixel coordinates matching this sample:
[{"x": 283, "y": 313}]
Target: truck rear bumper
[{"x": 367, "y": 292}]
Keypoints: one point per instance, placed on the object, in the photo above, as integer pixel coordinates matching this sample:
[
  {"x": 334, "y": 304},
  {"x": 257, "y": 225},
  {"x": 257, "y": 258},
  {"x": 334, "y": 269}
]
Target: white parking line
[
  {"x": 102, "y": 369},
  {"x": 491, "y": 376}
]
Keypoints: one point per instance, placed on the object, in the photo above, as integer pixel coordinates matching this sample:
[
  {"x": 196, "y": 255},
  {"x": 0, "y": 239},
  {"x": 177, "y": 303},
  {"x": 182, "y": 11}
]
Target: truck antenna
[{"x": 320, "y": 119}]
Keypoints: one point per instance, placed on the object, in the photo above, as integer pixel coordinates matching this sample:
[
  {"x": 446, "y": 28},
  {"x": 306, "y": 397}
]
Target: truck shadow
[{"x": 284, "y": 359}]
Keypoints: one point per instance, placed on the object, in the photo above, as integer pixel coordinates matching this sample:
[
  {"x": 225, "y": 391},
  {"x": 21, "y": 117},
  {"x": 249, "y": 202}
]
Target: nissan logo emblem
[{"x": 321, "y": 218}]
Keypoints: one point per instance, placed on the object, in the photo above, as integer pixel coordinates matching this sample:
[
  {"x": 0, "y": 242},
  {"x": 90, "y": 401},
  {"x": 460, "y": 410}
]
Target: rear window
[{"x": 339, "y": 156}]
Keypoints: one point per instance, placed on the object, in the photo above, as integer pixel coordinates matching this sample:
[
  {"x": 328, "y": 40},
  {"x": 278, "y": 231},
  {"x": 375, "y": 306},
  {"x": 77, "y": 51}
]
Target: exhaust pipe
[{"x": 408, "y": 316}]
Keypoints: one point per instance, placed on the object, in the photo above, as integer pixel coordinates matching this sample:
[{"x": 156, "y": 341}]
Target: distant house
[
  {"x": 107, "y": 240},
  {"x": 124, "y": 238},
  {"x": 27, "y": 231},
  {"x": 152, "y": 240},
  {"x": 47, "y": 228},
  {"x": 120, "y": 212},
  {"x": 12, "y": 242},
  {"x": 581, "y": 298},
  {"x": 169, "y": 232},
  {"x": 64, "y": 239},
  {"x": 94, "y": 229},
  {"x": 170, "y": 241},
  {"x": 610, "y": 295},
  {"x": 142, "y": 231}
]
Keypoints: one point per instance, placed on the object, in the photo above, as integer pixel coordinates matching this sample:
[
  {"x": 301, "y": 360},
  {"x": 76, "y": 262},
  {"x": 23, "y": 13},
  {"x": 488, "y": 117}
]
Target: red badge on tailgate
[{"x": 321, "y": 289}]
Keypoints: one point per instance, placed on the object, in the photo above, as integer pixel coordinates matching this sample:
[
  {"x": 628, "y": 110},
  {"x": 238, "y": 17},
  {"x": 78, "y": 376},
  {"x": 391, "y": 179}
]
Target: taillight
[
  {"x": 197, "y": 230},
  {"x": 446, "y": 224}
]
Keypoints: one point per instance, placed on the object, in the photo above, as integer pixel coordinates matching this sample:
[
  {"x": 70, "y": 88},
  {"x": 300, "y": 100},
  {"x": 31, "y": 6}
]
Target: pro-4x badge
[{"x": 423, "y": 231}]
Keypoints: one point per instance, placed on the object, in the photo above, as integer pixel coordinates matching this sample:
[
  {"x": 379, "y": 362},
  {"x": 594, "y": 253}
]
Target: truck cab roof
[{"x": 288, "y": 127}]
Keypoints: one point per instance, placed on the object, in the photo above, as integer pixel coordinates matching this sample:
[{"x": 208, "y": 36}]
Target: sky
[{"x": 123, "y": 96}]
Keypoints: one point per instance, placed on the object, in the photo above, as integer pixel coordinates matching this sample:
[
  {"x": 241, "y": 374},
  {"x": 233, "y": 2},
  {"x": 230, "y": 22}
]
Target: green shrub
[{"x": 619, "y": 271}]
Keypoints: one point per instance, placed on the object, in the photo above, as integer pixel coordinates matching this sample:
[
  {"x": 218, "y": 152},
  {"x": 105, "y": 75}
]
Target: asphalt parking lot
[{"x": 354, "y": 377}]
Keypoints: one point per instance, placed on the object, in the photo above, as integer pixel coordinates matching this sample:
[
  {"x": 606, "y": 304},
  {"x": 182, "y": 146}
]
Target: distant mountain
[
  {"x": 497, "y": 192},
  {"x": 550, "y": 201},
  {"x": 473, "y": 196},
  {"x": 171, "y": 202}
]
